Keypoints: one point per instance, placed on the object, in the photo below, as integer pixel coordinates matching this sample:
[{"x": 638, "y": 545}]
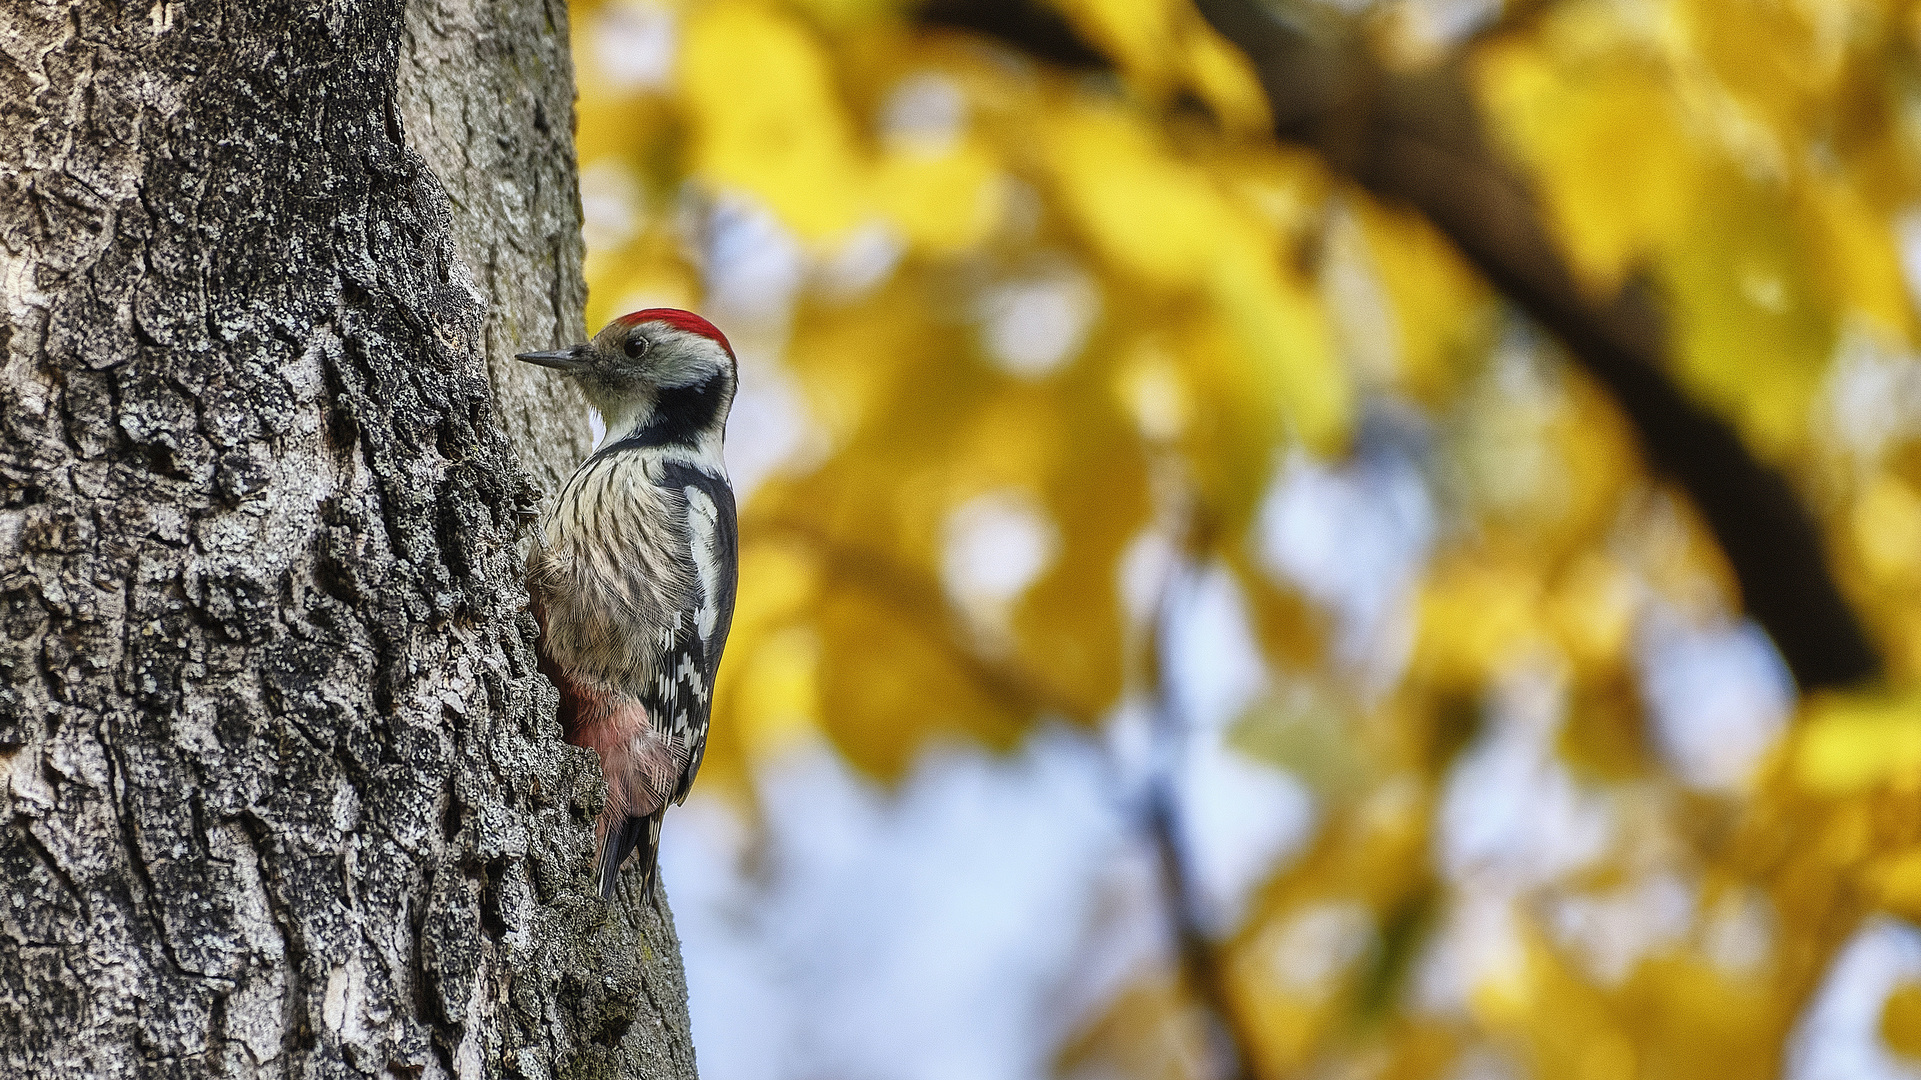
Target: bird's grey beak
[{"x": 577, "y": 358}]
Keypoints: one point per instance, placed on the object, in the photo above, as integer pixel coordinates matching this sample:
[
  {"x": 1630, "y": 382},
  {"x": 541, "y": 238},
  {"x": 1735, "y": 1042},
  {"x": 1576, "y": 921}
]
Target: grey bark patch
[{"x": 283, "y": 791}]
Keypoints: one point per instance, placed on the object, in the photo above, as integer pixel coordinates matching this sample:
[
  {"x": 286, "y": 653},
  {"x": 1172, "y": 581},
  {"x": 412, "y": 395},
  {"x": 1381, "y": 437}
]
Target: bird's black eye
[{"x": 636, "y": 346}]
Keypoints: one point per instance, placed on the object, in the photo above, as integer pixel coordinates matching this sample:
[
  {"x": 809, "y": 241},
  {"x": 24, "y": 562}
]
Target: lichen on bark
[{"x": 283, "y": 792}]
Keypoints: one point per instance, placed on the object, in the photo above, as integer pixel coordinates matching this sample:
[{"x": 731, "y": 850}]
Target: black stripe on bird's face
[{"x": 681, "y": 415}]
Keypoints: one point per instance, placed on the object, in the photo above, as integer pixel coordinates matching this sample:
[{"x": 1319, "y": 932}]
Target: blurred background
[{"x": 1291, "y": 539}]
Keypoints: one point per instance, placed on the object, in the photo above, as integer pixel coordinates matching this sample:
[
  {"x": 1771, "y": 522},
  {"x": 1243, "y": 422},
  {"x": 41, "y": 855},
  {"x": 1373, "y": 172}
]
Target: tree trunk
[{"x": 283, "y": 791}]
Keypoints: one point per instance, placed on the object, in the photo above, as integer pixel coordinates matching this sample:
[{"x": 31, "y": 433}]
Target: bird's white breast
[{"x": 611, "y": 574}]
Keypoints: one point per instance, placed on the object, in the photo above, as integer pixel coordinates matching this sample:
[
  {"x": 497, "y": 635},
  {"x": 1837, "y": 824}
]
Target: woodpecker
[{"x": 633, "y": 585}]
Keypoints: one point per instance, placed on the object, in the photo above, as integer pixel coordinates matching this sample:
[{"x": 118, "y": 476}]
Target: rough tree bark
[{"x": 283, "y": 791}]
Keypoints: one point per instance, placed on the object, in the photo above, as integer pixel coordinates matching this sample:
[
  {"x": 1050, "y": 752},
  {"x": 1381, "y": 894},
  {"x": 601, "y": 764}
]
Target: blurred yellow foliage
[
  {"x": 1047, "y": 333},
  {"x": 779, "y": 134},
  {"x": 1901, "y": 1019},
  {"x": 1851, "y": 743}
]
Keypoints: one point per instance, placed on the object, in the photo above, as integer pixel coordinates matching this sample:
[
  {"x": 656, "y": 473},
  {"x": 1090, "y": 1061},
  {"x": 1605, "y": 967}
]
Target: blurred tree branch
[
  {"x": 1038, "y": 30},
  {"x": 1415, "y": 138},
  {"x": 1202, "y": 963}
]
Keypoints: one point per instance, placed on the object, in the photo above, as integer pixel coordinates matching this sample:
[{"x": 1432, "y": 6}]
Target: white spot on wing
[{"x": 703, "y": 521}]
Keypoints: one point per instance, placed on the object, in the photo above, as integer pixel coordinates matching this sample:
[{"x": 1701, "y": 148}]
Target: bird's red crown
[{"x": 679, "y": 320}]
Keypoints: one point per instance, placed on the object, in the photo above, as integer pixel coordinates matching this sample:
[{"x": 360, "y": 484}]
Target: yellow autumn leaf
[
  {"x": 1592, "y": 608},
  {"x": 943, "y": 203},
  {"x": 889, "y": 682},
  {"x": 1901, "y": 1019},
  {"x": 1856, "y": 256},
  {"x": 1477, "y": 614},
  {"x": 1136, "y": 33},
  {"x": 1285, "y": 350},
  {"x": 1776, "y": 59},
  {"x": 1070, "y": 624},
  {"x": 765, "y": 118},
  {"x": 1896, "y": 880},
  {"x": 1603, "y": 133},
  {"x": 1442, "y": 311},
  {"x": 1753, "y": 326},
  {"x": 780, "y": 580},
  {"x": 1886, "y": 522},
  {"x": 774, "y": 681},
  {"x": 1223, "y": 78},
  {"x": 1148, "y": 213},
  {"x": 1850, "y": 743}
]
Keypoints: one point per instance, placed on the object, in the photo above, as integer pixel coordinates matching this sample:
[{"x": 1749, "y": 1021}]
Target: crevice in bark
[
  {"x": 142, "y": 873},
  {"x": 53, "y": 867}
]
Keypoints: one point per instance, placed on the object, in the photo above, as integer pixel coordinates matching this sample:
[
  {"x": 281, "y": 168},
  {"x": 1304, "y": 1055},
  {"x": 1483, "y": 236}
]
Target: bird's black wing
[
  {"x": 714, "y": 531},
  {"x": 679, "y": 698}
]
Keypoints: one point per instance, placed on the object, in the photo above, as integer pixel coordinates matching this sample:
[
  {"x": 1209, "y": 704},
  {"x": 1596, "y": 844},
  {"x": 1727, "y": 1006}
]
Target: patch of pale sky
[
  {"x": 1215, "y": 668},
  {"x": 1477, "y": 945},
  {"x": 1719, "y": 697},
  {"x": 752, "y": 267},
  {"x": 1511, "y": 811},
  {"x": 943, "y": 931},
  {"x": 1482, "y": 1063},
  {"x": 634, "y": 42},
  {"x": 1237, "y": 818},
  {"x": 1610, "y": 931},
  {"x": 613, "y": 207},
  {"x": 1353, "y": 537},
  {"x": 1033, "y": 324},
  {"x": 769, "y": 428},
  {"x": 863, "y": 260},
  {"x": 1839, "y": 1035},
  {"x": 1238, "y": 821},
  {"x": 1437, "y": 22},
  {"x": 925, "y": 114},
  {"x": 1143, "y": 573},
  {"x": 1737, "y": 932},
  {"x": 1872, "y": 396},
  {"x": 1512, "y": 818},
  {"x": 1907, "y": 237},
  {"x": 1318, "y": 944},
  {"x": 995, "y": 545}
]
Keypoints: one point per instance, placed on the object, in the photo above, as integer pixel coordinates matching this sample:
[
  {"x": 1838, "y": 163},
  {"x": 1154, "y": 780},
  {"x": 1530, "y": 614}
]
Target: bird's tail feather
[{"x": 635, "y": 834}]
